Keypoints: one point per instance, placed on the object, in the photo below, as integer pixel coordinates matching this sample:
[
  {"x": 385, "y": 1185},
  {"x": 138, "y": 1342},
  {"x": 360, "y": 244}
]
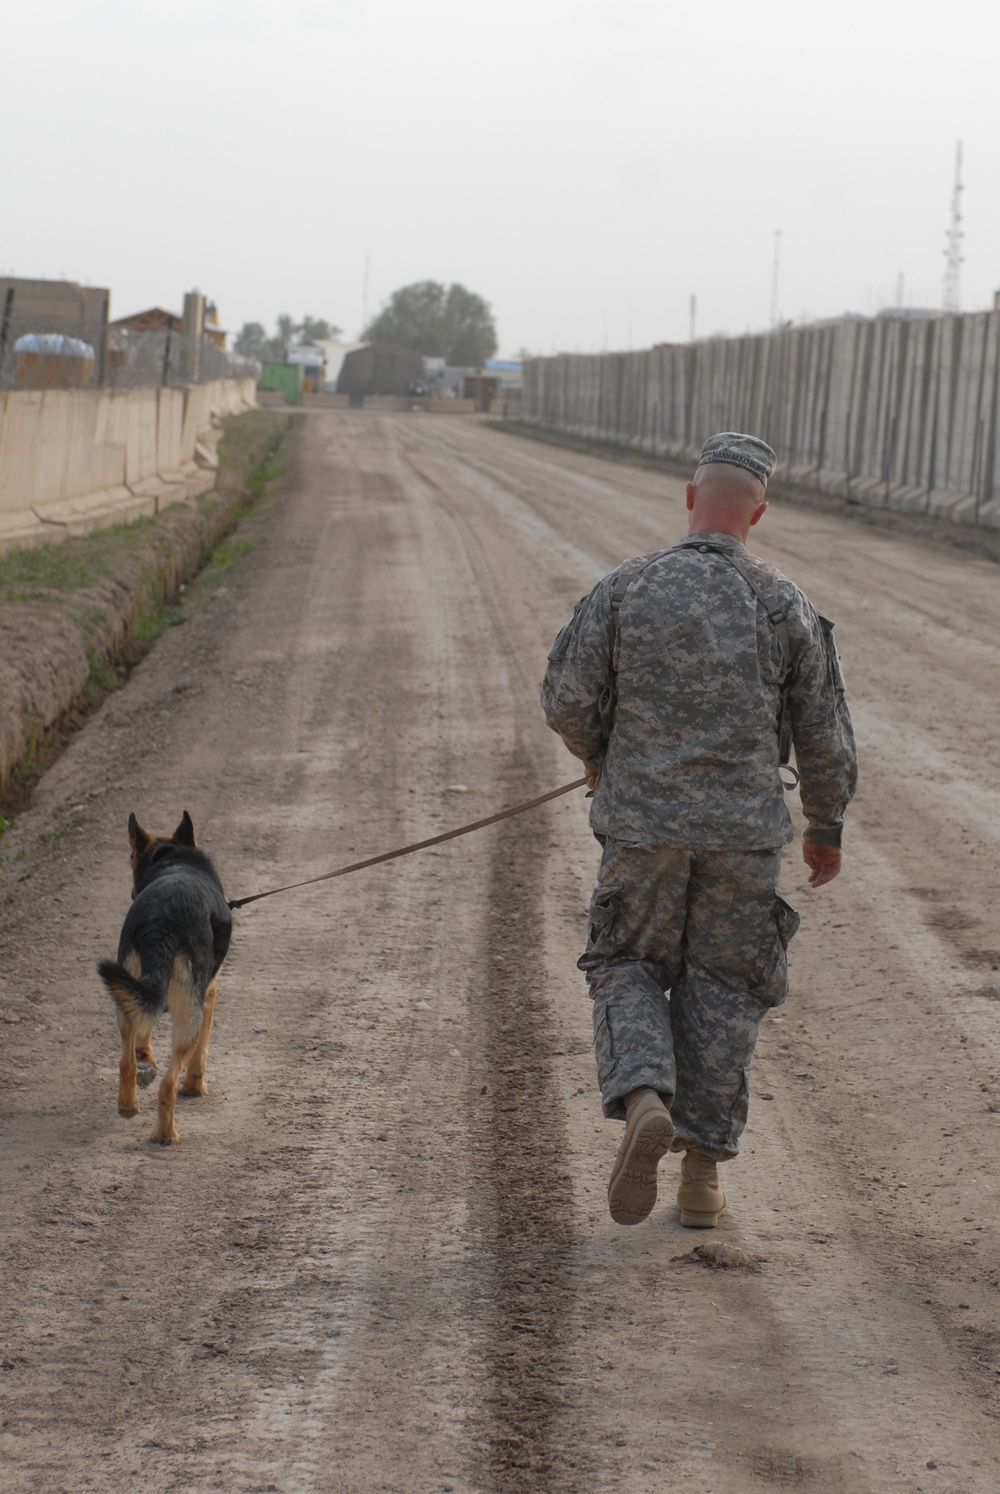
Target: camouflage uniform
[{"x": 691, "y": 813}]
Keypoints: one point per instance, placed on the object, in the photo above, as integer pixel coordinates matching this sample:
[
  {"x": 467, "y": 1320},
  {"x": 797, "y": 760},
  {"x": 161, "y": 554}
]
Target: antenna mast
[
  {"x": 953, "y": 253},
  {"x": 774, "y": 279}
]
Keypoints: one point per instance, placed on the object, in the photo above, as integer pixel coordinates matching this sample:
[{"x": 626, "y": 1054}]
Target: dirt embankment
[{"x": 74, "y": 617}]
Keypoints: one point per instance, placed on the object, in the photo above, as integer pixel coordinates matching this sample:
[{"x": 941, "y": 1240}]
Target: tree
[
  {"x": 282, "y": 339},
  {"x": 437, "y": 321},
  {"x": 251, "y": 341},
  {"x": 315, "y": 329}
]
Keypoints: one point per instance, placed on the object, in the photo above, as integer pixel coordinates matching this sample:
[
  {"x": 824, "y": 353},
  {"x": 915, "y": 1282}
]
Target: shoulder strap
[
  {"x": 769, "y": 601},
  {"x": 627, "y": 576},
  {"x": 777, "y": 617}
]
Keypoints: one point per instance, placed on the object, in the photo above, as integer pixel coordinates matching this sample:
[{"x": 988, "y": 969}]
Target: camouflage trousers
[{"x": 709, "y": 928}]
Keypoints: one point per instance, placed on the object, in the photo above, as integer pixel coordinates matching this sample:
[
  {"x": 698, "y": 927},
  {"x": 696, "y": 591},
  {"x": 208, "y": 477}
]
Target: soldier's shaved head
[
  {"x": 722, "y": 479},
  {"x": 725, "y": 499}
]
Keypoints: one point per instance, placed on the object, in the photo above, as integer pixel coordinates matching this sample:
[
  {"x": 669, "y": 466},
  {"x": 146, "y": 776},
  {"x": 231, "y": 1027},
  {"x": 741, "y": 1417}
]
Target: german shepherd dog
[{"x": 173, "y": 941}]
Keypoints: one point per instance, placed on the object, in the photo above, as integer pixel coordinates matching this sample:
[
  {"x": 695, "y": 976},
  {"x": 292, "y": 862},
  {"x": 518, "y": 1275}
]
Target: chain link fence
[{"x": 39, "y": 351}]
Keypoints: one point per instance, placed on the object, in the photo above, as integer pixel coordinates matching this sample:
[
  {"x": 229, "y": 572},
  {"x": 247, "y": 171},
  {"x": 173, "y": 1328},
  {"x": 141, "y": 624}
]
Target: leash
[{"x": 420, "y": 845}]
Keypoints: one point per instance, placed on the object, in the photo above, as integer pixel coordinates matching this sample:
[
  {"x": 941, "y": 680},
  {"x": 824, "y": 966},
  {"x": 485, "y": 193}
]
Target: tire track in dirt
[
  {"x": 521, "y": 1197},
  {"x": 524, "y": 1203}
]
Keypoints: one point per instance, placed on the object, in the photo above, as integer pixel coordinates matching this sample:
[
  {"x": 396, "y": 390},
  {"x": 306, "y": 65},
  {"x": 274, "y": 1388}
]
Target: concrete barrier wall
[
  {"x": 896, "y": 411},
  {"x": 77, "y": 459}
]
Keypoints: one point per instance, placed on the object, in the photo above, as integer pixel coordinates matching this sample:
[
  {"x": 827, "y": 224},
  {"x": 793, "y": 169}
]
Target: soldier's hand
[
  {"x": 824, "y": 862},
  {"x": 591, "y": 780}
]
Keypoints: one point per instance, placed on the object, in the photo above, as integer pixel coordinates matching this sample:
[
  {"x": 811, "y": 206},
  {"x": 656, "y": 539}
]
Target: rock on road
[{"x": 380, "y": 1257}]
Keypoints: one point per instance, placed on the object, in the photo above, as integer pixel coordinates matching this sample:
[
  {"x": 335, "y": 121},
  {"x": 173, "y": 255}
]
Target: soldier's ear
[
  {"x": 184, "y": 834},
  {"x": 689, "y": 496},
  {"x": 759, "y": 512}
]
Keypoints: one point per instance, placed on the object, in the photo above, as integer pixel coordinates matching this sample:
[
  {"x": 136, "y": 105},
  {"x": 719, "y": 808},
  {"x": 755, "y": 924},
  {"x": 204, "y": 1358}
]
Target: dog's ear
[
  {"x": 184, "y": 834},
  {"x": 137, "y": 838}
]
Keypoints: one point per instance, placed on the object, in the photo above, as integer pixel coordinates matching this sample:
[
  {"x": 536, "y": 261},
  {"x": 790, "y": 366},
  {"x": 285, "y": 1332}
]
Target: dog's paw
[{"x": 145, "y": 1074}]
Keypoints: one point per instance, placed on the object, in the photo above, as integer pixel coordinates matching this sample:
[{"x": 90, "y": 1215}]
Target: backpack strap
[
  {"x": 627, "y": 576},
  {"x": 630, "y": 572}
]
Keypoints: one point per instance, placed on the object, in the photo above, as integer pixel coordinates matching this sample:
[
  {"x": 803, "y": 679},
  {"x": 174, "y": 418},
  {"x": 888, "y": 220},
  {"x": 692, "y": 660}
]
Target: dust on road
[{"x": 380, "y": 1258}]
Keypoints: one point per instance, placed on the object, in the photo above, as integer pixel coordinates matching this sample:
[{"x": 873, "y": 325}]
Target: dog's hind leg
[
  {"x": 186, "y": 1014},
  {"x": 128, "y": 1099},
  {"x": 142, "y": 1060},
  {"x": 146, "y": 1062},
  {"x": 194, "y": 1079}
]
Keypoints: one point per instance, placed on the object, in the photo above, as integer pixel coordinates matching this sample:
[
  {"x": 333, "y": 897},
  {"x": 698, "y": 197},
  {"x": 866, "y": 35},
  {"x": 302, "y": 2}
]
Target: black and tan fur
[{"x": 173, "y": 941}]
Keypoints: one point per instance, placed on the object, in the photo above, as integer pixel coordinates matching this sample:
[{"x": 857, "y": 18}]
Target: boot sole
[{"x": 632, "y": 1190}]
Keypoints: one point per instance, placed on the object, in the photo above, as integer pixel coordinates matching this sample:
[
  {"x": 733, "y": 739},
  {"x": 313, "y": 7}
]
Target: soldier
[{"x": 680, "y": 682}]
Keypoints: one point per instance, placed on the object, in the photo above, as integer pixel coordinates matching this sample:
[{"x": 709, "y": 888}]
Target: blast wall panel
[
  {"x": 895, "y": 411},
  {"x": 72, "y": 460}
]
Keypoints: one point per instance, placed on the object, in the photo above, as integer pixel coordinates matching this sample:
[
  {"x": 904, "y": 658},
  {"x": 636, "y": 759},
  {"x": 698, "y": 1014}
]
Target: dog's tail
[{"x": 137, "y": 997}]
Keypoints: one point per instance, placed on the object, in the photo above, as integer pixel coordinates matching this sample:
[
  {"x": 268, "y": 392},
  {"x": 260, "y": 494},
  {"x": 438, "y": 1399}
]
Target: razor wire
[{"x": 57, "y": 350}]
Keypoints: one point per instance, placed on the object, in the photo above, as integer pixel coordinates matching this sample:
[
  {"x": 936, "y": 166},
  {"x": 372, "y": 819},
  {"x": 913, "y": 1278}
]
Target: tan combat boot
[
  {"x": 700, "y": 1198},
  {"x": 648, "y": 1130}
]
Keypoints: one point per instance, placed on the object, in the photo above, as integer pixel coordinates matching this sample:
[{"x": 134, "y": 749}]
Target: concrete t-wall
[
  {"x": 896, "y": 411},
  {"x": 72, "y": 460}
]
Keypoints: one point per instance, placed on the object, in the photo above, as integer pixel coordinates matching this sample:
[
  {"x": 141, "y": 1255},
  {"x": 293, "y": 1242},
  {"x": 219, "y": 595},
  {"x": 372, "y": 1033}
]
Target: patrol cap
[{"x": 742, "y": 451}]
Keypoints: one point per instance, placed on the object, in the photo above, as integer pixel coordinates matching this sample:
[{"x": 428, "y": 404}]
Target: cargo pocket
[
  {"x": 772, "y": 986},
  {"x": 787, "y": 920},
  {"x": 604, "y": 1043},
  {"x": 605, "y": 905},
  {"x": 561, "y": 641}
]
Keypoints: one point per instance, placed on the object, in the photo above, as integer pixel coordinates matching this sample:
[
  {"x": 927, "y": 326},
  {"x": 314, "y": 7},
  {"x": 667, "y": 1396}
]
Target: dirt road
[{"x": 380, "y": 1257}]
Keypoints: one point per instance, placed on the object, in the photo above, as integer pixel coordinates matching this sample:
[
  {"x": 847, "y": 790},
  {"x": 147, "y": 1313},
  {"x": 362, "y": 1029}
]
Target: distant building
[
  {"x": 312, "y": 360},
  {"x": 334, "y": 352},
  {"x": 508, "y": 372},
  {"x": 379, "y": 368},
  {"x": 155, "y": 319},
  {"x": 213, "y": 332}
]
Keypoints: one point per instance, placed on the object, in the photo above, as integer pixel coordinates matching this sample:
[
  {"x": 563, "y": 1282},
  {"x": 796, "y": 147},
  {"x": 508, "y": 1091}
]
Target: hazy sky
[{"x": 585, "y": 165}]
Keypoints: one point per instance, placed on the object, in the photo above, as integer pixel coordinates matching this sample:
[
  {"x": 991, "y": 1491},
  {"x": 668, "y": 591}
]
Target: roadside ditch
[{"x": 77, "y": 616}]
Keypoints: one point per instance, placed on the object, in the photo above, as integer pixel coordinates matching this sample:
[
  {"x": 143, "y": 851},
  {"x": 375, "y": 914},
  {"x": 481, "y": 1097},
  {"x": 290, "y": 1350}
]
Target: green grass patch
[
  {"x": 74, "y": 564},
  {"x": 231, "y": 550}
]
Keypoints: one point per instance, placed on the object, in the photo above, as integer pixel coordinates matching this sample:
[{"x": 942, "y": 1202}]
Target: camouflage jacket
[{"x": 697, "y": 668}]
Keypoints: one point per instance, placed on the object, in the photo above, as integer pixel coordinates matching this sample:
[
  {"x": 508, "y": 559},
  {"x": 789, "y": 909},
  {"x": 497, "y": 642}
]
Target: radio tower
[{"x": 953, "y": 253}]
